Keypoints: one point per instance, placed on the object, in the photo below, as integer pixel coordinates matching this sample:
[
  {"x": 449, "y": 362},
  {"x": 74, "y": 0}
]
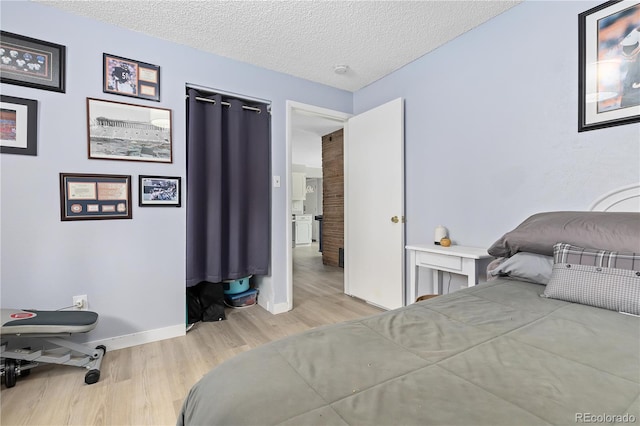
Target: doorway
[
  {"x": 376, "y": 139},
  {"x": 314, "y": 122}
]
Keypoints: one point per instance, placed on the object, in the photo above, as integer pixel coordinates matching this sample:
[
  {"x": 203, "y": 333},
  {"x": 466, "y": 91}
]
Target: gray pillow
[
  {"x": 608, "y": 288},
  {"x": 615, "y": 231},
  {"x": 535, "y": 268},
  {"x": 589, "y": 281}
]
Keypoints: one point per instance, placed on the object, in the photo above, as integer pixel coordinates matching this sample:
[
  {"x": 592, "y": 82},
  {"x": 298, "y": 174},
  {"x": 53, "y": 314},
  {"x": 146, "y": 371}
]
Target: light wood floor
[{"x": 145, "y": 385}]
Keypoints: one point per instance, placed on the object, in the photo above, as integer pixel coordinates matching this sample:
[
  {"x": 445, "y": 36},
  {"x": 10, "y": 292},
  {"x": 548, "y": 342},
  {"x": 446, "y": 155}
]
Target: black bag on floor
[
  {"x": 212, "y": 301},
  {"x": 205, "y": 302}
]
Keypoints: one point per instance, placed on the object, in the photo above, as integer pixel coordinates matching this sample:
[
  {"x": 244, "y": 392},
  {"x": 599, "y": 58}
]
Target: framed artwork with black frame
[
  {"x": 18, "y": 126},
  {"x": 609, "y": 65},
  {"x": 94, "y": 196},
  {"x": 159, "y": 191},
  {"x": 29, "y": 62},
  {"x": 121, "y": 131},
  {"x": 126, "y": 77}
]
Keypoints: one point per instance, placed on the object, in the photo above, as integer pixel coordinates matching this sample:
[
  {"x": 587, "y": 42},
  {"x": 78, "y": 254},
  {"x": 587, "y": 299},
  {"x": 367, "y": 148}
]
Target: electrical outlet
[{"x": 80, "y": 303}]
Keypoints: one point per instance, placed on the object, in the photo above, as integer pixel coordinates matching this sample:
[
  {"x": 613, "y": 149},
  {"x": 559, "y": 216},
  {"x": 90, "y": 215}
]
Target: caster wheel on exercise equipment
[
  {"x": 92, "y": 376},
  {"x": 10, "y": 373}
]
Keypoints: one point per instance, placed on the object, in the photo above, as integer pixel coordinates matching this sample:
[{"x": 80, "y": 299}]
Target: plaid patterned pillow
[
  {"x": 567, "y": 253},
  {"x": 597, "y": 278}
]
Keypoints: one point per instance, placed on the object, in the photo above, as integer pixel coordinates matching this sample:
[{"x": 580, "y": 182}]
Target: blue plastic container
[
  {"x": 242, "y": 300},
  {"x": 236, "y": 286}
]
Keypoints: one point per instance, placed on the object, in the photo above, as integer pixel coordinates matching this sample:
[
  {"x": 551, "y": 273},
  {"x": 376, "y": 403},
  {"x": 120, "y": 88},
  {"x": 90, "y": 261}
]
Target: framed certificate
[{"x": 92, "y": 196}]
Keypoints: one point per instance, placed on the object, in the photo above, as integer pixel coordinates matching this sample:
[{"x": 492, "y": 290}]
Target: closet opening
[{"x": 228, "y": 191}]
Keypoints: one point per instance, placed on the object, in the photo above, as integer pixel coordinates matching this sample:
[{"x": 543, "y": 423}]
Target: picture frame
[
  {"x": 18, "y": 126},
  {"x": 121, "y": 131},
  {"x": 159, "y": 191},
  {"x": 94, "y": 196},
  {"x": 609, "y": 65},
  {"x": 30, "y": 62},
  {"x": 127, "y": 77}
]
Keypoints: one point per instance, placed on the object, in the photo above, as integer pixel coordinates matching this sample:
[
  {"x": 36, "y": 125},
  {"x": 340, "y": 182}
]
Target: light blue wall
[
  {"x": 491, "y": 137},
  {"x": 131, "y": 270},
  {"x": 491, "y": 128}
]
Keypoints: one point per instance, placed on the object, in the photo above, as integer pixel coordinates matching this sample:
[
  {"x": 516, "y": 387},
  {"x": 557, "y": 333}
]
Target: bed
[{"x": 552, "y": 338}]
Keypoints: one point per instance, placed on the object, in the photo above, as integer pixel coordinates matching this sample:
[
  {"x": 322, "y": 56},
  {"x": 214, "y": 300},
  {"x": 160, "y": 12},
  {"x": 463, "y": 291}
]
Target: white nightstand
[{"x": 457, "y": 259}]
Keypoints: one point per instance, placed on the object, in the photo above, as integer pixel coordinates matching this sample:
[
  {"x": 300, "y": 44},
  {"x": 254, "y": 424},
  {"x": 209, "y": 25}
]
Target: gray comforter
[{"x": 494, "y": 354}]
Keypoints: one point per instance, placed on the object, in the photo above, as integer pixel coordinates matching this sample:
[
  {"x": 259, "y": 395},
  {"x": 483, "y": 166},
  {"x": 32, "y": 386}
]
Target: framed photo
[
  {"x": 91, "y": 196},
  {"x": 19, "y": 126},
  {"x": 609, "y": 65},
  {"x": 127, "y": 77},
  {"x": 159, "y": 191},
  {"x": 119, "y": 131},
  {"x": 28, "y": 62}
]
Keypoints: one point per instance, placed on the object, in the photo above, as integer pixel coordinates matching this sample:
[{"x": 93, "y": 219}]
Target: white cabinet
[
  {"x": 298, "y": 186},
  {"x": 304, "y": 228}
]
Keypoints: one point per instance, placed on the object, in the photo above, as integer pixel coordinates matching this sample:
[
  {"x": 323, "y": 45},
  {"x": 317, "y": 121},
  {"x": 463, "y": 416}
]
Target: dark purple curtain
[{"x": 228, "y": 189}]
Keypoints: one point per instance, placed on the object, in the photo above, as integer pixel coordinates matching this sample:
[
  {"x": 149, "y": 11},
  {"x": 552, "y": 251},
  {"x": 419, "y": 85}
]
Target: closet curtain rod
[
  {"x": 212, "y": 91},
  {"x": 226, "y": 103}
]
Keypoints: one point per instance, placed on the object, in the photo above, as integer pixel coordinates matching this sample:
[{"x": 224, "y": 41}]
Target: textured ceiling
[{"x": 301, "y": 38}]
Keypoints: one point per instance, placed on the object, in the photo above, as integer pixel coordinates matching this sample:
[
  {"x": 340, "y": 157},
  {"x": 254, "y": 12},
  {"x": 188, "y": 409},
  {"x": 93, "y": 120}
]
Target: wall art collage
[{"x": 115, "y": 130}]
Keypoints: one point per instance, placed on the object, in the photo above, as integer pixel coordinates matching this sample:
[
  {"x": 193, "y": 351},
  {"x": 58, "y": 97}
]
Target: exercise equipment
[{"x": 32, "y": 337}]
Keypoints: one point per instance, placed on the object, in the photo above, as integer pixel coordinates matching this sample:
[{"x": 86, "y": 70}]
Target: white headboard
[{"x": 625, "y": 199}]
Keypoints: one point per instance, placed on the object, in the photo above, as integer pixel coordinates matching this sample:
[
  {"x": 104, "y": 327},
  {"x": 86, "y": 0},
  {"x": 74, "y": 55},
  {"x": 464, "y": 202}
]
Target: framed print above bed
[
  {"x": 127, "y": 77},
  {"x": 29, "y": 62},
  {"x": 18, "y": 126},
  {"x": 120, "y": 131},
  {"x": 609, "y": 65}
]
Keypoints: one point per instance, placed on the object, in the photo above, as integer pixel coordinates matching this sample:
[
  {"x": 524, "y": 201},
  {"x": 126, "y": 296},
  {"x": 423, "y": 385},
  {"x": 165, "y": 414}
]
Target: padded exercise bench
[{"x": 22, "y": 329}]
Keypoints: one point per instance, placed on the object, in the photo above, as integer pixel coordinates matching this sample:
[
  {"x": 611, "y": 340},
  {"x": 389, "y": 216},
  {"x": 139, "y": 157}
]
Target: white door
[{"x": 374, "y": 205}]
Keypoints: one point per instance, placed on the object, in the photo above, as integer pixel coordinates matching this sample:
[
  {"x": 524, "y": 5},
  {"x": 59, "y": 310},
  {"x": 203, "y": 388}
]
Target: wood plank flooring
[{"x": 146, "y": 384}]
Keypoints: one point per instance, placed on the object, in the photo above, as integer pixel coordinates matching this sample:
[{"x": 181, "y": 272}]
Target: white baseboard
[
  {"x": 276, "y": 309},
  {"x": 280, "y": 308},
  {"x": 135, "y": 339}
]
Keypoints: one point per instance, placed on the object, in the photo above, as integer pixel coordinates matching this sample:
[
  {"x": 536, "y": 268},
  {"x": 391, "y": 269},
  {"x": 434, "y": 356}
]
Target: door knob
[{"x": 395, "y": 219}]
